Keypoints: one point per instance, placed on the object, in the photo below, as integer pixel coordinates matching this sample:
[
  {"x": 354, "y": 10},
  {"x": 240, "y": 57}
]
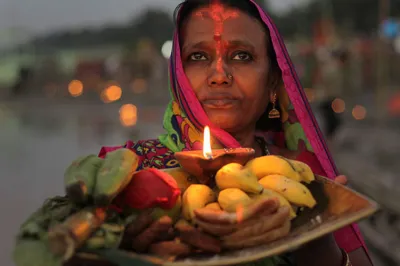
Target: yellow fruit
[
  {"x": 234, "y": 175},
  {"x": 196, "y": 197},
  {"x": 214, "y": 206},
  {"x": 272, "y": 165},
  {"x": 293, "y": 191},
  {"x": 303, "y": 169},
  {"x": 231, "y": 198},
  {"x": 267, "y": 193},
  {"x": 182, "y": 178}
]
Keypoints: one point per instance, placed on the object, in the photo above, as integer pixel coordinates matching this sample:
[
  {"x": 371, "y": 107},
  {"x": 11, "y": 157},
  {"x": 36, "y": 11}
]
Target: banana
[
  {"x": 214, "y": 206},
  {"x": 234, "y": 175},
  {"x": 113, "y": 176},
  {"x": 231, "y": 198},
  {"x": 196, "y": 197},
  {"x": 272, "y": 165},
  {"x": 293, "y": 191},
  {"x": 304, "y": 170},
  {"x": 80, "y": 178},
  {"x": 182, "y": 178},
  {"x": 267, "y": 193}
]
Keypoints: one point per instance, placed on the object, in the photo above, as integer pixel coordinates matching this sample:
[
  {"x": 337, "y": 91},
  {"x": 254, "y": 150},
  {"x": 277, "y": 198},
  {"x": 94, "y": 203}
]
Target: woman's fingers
[
  {"x": 242, "y": 214},
  {"x": 139, "y": 224},
  {"x": 142, "y": 242},
  {"x": 265, "y": 238},
  {"x": 216, "y": 229},
  {"x": 259, "y": 226},
  {"x": 143, "y": 221},
  {"x": 170, "y": 249},
  {"x": 168, "y": 236},
  {"x": 215, "y": 216},
  {"x": 341, "y": 179},
  {"x": 194, "y": 237},
  {"x": 253, "y": 210}
]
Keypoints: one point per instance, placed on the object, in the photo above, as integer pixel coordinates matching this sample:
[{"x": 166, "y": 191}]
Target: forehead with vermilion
[{"x": 231, "y": 24}]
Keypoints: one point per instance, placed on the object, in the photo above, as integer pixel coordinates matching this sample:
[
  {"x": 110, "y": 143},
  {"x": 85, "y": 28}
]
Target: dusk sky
[{"x": 44, "y": 15}]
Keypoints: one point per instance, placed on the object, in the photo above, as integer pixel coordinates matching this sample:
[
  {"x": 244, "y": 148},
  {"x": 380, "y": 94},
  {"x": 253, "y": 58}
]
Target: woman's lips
[{"x": 219, "y": 103}]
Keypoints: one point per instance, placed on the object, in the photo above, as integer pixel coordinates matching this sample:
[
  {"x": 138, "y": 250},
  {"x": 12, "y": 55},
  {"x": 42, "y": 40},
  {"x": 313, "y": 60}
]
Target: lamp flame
[{"x": 207, "y": 152}]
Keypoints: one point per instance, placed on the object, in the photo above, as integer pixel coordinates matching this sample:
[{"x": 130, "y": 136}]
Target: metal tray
[{"x": 337, "y": 206}]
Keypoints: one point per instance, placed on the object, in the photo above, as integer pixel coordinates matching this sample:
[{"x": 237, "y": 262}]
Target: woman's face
[{"x": 219, "y": 42}]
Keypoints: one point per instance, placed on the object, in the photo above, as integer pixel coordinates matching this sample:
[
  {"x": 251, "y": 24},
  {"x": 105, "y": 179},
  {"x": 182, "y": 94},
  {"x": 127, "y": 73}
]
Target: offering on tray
[
  {"x": 169, "y": 193},
  {"x": 99, "y": 230}
]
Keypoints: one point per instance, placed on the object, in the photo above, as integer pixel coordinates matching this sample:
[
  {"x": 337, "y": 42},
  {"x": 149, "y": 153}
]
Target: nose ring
[{"x": 229, "y": 75}]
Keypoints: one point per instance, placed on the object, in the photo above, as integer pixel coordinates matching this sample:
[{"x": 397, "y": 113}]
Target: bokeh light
[
  {"x": 166, "y": 49},
  {"x": 111, "y": 94},
  {"x": 394, "y": 105},
  {"x": 359, "y": 112},
  {"x": 75, "y": 88},
  {"x": 128, "y": 115},
  {"x": 338, "y": 106}
]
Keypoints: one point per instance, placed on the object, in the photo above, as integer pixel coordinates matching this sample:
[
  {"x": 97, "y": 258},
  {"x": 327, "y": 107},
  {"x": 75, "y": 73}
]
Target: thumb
[{"x": 341, "y": 179}]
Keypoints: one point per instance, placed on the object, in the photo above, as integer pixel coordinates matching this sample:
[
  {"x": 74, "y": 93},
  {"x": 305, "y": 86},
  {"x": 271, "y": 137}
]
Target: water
[{"x": 39, "y": 140}]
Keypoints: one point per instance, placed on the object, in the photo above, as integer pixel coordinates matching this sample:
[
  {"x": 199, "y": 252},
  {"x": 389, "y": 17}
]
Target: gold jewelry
[
  {"x": 274, "y": 113},
  {"x": 229, "y": 75}
]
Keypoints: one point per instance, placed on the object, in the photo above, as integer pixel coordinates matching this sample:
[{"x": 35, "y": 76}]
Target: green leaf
[{"x": 31, "y": 252}]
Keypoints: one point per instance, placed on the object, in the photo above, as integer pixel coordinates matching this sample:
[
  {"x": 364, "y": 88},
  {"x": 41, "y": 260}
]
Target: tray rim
[{"x": 293, "y": 244}]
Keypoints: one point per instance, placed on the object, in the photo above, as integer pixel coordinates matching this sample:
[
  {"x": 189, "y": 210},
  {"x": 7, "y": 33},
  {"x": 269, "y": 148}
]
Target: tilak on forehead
[{"x": 219, "y": 14}]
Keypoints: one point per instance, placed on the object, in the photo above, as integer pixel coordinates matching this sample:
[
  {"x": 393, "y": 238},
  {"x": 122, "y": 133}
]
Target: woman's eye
[
  {"x": 242, "y": 56},
  {"x": 197, "y": 57}
]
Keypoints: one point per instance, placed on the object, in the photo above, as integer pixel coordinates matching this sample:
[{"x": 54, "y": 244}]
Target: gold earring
[{"x": 274, "y": 113}]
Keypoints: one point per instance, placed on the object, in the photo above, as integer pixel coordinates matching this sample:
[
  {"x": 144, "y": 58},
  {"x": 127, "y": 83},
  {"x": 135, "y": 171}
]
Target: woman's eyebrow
[
  {"x": 198, "y": 45},
  {"x": 242, "y": 43},
  {"x": 212, "y": 45}
]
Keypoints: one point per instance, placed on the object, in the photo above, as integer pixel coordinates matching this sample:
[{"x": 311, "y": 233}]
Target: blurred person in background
[
  {"x": 230, "y": 71},
  {"x": 329, "y": 120}
]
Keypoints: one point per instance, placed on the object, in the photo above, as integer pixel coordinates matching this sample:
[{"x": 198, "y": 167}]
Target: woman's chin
[{"x": 227, "y": 122}]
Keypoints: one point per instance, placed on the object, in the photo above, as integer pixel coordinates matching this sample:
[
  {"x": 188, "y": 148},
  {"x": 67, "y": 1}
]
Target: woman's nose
[{"x": 219, "y": 76}]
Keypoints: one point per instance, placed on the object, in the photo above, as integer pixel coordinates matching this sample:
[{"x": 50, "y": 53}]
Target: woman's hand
[
  {"x": 159, "y": 237},
  {"x": 260, "y": 223},
  {"x": 144, "y": 231},
  {"x": 341, "y": 179}
]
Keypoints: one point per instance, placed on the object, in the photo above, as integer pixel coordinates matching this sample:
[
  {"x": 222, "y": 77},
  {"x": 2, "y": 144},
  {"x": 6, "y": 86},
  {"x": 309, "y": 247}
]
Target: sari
[{"x": 185, "y": 119}]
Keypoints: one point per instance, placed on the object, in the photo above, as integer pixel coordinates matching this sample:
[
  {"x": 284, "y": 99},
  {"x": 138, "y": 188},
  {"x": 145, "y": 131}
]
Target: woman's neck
[{"x": 246, "y": 139}]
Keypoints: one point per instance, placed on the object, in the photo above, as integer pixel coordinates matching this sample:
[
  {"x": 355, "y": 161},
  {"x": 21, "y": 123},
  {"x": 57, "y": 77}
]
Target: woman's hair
[{"x": 186, "y": 8}]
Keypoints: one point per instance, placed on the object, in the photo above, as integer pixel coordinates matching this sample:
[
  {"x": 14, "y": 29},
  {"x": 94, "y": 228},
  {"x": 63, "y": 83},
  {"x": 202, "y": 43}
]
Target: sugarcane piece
[{"x": 65, "y": 238}]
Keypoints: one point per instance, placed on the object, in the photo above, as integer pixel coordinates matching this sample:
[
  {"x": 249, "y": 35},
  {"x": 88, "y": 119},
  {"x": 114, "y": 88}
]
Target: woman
[{"x": 230, "y": 70}]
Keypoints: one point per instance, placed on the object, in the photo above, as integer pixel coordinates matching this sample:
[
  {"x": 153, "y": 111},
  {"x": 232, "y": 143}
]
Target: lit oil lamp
[{"x": 205, "y": 164}]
